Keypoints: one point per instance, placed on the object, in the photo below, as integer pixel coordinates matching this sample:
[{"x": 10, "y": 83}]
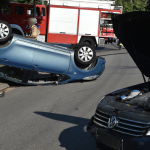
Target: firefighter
[
  {"x": 120, "y": 45},
  {"x": 34, "y": 31}
]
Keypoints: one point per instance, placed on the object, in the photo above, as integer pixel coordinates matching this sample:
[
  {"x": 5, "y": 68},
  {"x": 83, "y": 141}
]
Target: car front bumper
[
  {"x": 107, "y": 139},
  {"x": 77, "y": 74}
]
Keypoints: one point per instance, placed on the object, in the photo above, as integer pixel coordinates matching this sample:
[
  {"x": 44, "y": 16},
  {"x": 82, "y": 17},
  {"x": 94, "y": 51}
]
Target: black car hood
[{"x": 133, "y": 30}]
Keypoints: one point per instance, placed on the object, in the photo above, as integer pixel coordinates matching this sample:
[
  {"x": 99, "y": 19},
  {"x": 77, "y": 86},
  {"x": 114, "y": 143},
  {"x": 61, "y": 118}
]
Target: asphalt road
[{"x": 53, "y": 117}]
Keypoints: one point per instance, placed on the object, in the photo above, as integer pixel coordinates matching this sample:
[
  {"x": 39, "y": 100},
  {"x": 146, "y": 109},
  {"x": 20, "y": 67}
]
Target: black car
[{"x": 122, "y": 118}]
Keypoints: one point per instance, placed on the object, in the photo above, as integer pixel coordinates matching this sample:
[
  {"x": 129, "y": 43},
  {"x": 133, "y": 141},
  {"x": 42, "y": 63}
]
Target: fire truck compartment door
[
  {"x": 63, "y": 21},
  {"x": 89, "y": 21}
]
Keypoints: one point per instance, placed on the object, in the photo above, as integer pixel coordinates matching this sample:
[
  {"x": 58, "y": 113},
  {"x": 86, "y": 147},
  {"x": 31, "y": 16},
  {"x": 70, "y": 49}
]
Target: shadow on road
[
  {"x": 73, "y": 138},
  {"x": 114, "y": 54},
  {"x": 107, "y": 47}
]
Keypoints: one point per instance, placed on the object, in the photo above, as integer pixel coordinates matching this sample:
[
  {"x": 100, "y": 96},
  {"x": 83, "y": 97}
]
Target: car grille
[
  {"x": 125, "y": 126},
  {"x": 101, "y": 146}
]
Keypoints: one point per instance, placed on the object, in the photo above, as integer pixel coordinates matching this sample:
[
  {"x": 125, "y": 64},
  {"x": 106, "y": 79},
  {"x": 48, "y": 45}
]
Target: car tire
[
  {"x": 5, "y": 31},
  {"x": 88, "y": 40},
  {"x": 88, "y": 67},
  {"x": 85, "y": 54}
]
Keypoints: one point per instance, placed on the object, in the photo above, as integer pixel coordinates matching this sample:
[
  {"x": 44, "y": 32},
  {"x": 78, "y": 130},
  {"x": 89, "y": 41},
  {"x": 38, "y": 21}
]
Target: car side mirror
[{"x": 29, "y": 12}]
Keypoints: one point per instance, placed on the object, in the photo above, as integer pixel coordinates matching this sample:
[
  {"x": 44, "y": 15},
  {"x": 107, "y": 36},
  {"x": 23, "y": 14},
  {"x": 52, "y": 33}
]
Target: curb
[{"x": 3, "y": 86}]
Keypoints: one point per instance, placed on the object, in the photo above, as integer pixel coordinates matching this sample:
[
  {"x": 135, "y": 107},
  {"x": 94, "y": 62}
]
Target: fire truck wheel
[
  {"x": 15, "y": 31},
  {"x": 88, "y": 40},
  {"x": 85, "y": 54},
  {"x": 5, "y": 31},
  {"x": 74, "y": 46}
]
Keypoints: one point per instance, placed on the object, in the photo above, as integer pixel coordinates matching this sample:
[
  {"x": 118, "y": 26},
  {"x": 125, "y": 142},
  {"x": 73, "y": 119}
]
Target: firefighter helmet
[{"x": 32, "y": 21}]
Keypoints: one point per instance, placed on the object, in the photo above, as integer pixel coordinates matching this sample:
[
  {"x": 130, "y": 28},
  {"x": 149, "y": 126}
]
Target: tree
[
  {"x": 148, "y": 5},
  {"x": 6, "y": 2},
  {"x": 26, "y": 1},
  {"x": 118, "y": 2},
  {"x": 127, "y": 6},
  {"x": 132, "y": 5},
  {"x": 139, "y": 5}
]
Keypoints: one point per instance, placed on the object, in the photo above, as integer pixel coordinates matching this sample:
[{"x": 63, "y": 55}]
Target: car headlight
[
  {"x": 91, "y": 77},
  {"x": 101, "y": 100},
  {"x": 148, "y": 133}
]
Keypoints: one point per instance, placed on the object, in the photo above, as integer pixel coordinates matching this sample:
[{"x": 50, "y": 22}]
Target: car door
[
  {"x": 19, "y": 16},
  {"x": 41, "y": 19},
  {"x": 51, "y": 59},
  {"x": 18, "y": 54},
  {"x": 6, "y": 14}
]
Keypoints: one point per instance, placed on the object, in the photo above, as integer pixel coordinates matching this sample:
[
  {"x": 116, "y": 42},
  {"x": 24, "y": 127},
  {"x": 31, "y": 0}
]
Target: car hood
[
  {"x": 133, "y": 30},
  {"x": 133, "y": 109}
]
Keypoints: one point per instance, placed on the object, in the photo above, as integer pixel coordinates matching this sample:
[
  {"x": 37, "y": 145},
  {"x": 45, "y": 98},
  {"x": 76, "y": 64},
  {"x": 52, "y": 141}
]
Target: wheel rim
[
  {"x": 4, "y": 31},
  {"x": 85, "y": 54}
]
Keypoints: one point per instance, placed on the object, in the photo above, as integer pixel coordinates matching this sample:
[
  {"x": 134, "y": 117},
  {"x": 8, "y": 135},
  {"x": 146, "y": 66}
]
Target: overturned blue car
[{"x": 27, "y": 61}]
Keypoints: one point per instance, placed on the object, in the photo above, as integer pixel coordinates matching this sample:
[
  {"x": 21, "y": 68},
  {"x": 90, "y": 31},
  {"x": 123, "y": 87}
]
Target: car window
[
  {"x": 2, "y": 69},
  {"x": 6, "y": 10},
  {"x": 32, "y": 10},
  {"x": 19, "y": 10},
  {"x": 26, "y": 76},
  {"x": 12, "y": 72},
  {"x": 43, "y": 11}
]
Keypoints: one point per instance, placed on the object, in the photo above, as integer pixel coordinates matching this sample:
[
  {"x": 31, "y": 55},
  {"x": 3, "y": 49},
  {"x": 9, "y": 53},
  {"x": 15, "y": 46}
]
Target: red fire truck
[{"x": 66, "y": 21}]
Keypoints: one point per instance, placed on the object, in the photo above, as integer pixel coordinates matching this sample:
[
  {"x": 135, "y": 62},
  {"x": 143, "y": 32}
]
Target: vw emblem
[{"x": 112, "y": 122}]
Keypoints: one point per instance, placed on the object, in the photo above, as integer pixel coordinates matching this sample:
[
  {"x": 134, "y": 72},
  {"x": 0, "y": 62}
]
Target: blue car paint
[
  {"x": 18, "y": 54},
  {"x": 39, "y": 56},
  {"x": 51, "y": 60},
  {"x": 27, "y": 53},
  {"x": 77, "y": 74}
]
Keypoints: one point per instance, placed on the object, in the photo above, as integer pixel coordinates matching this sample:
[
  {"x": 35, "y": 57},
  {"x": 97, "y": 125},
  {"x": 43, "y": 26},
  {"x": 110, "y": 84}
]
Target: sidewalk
[{"x": 3, "y": 85}]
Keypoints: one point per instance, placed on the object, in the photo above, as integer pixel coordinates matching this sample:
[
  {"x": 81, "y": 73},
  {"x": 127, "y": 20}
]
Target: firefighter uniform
[{"x": 34, "y": 31}]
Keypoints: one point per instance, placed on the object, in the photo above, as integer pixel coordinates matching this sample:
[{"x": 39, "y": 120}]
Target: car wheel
[
  {"x": 88, "y": 40},
  {"x": 5, "y": 31},
  {"x": 85, "y": 54},
  {"x": 88, "y": 67}
]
